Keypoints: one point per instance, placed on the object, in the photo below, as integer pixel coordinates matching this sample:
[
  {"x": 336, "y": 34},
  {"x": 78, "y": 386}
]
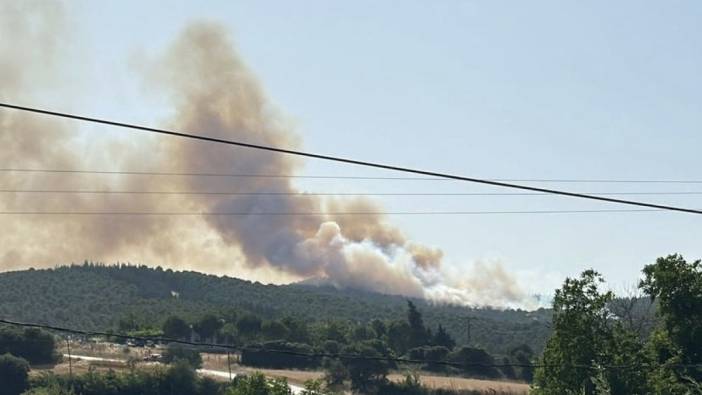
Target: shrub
[
  {"x": 13, "y": 375},
  {"x": 175, "y": 352}
]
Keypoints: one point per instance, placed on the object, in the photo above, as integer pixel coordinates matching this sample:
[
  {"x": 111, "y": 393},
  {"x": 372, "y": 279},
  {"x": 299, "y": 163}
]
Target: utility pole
[
  {"x": 468, "y": 331},
  {"x": 229, "y": 363},
  {"x": 70, "y": 363}
]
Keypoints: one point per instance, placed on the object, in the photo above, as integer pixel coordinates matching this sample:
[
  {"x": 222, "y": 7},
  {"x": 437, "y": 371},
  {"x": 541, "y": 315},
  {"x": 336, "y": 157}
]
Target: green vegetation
[
  {"x": 126, "y": 298},
  {"x": 176, "y": 352},
  {"x": 599, "y": 344},
  {"x": 180, "y": 379},
  {"x": 593, "y": 351},
  {"x": 14, "y": 375},
  {"x": 34, "y": 345},
  {"x": 177, "y": 379}
]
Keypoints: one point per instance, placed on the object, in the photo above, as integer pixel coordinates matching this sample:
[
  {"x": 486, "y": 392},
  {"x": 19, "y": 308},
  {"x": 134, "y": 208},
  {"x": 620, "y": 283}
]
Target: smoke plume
[{"x": 215, "y": 94}]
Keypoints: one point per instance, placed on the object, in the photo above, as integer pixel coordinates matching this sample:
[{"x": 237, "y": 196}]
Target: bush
[
  {"x": 259, "y": 355},
  {"x": 257, "y": 384},
  {"x": 475, "y": 361},
  {"x": 334, "y": 372},
  {"x": 181, "y": 378},
  {"x": 34, "y": 345},
  {"x": 176, "y": 352},
  {"x": 13, "y": 375},
  {"x": 427, "y": 353},
  {"x": 177, "y": 379},
  {"x": 366, "y": 374}
]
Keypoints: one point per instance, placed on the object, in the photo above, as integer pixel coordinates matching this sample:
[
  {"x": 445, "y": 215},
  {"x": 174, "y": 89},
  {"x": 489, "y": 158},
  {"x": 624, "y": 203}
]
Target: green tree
[
  {"x": 523, "y": 355},
  {"x": 13, "y": 375},
  {"x": 580, "y": 333},
  {"x": 298, "y": 331},
  {"x": 315, "y": 387},
  {"x": 208, "y": 326},
  {"x": 229, "y": 333},
  {"x": 677, "y": 286},
  {"x": 176, "y": 328},
  {"x": 248, "y": 325},
  {"x": 442, "y": 338},
  {"x": 476, "y": 361},
  {"x": 336, "y": 331},
  {"x": 399, "y": 336},
  {"x": 335, "y": 371},
  {"x": 34, "y": 345},
  {"x": 366, "y": 374},
  {"x": 379, "y": 328},
  {"x": 418, "y": 332},
  {"x": 585, "y": 340},
  {"x": 274, "y": 330},
  {"x": 257, "y": 384},
  {"x": 181, "y": 379},
  {"x": 176, "y": 352},
  {"x": 362, "y": 332}
]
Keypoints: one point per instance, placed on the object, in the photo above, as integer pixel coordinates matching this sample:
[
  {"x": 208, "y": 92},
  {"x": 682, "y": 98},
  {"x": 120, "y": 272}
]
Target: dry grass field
[
  {"x": 298, "y": 377},
  {"x": 461, "y": 383}
]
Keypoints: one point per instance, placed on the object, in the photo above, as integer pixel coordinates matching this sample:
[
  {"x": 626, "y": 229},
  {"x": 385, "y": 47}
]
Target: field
[{"x": 116, "y": 359}]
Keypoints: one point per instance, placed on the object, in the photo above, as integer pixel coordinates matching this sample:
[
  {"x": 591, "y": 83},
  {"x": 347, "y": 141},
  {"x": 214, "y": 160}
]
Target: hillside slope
[{"x": 97, "y": 297}]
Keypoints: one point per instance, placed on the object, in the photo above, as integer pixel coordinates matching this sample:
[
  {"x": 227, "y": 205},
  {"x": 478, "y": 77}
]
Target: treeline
[
  {"x": 178, "y": 376},
  {"x": 293, "y": 343},
  {"x": 94, "y": 297},
  {"x": 596, "y": 349}
]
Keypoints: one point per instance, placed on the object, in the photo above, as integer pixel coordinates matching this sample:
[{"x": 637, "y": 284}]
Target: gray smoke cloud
[{"x": 213, "y": 93}]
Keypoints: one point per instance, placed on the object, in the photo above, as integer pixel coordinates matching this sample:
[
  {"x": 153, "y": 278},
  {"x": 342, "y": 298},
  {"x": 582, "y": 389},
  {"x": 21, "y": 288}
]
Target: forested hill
[{"x": 97, "y": 297}]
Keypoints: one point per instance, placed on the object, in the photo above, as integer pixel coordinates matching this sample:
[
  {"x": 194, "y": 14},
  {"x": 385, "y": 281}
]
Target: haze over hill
[
  {"x": 211, "y": 91},
  {"x": 97, "y": 297}
]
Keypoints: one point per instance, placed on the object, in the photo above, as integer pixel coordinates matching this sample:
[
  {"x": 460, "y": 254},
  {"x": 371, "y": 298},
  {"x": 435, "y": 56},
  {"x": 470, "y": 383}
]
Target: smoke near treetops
[{"x": 212, "y": 93}]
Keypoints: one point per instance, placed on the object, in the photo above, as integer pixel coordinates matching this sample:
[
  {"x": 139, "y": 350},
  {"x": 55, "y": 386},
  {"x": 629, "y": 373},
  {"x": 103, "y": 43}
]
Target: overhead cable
[
  {"x": 350, "y": 161},
  {"x": 340, "y": 177}
]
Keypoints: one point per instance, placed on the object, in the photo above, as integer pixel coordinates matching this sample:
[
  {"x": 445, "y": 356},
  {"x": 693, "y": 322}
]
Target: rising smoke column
[
  {"x": 213, "y": 93},
  {"x": 216, "y": 95}
]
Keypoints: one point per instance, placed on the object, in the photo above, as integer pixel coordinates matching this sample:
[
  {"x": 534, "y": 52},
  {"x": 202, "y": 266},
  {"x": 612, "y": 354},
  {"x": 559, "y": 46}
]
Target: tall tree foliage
[
  {"x": 176, "y": 328},
  {"x": 208, "y": 326},
  {"x": 677, "y": 286},
  {"x": 585, "y": 340},
  {"x": 418, "y": 332},
  {"x": 442, "y": 338}
]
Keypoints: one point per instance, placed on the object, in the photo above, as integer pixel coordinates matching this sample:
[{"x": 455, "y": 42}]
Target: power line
[
  {"x": 347, "y": 160},
  {"x": 241, "y": 175},
  {"x": 321, "y": 213},
  {"x": 304, "y": 194},
  {"x": 322, "y": 355}
]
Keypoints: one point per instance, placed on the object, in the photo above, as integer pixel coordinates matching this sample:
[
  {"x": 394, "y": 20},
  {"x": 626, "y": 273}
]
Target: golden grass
[
  {"x": 461, "y": 383},
  {"x": 219, "y": 362}
]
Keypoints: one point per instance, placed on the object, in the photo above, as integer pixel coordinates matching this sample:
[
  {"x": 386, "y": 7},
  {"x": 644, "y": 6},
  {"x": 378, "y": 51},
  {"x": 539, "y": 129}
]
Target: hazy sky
[{"x": 495, "y": 89}]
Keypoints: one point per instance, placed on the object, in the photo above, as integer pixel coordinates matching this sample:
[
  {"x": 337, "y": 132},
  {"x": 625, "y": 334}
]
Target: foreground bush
[
  {"x": 176, "y": 352},
  {"x": 13, "y": 375},
  {"x": 178, "y": 379},
  {"x": 34, "y": 345}
]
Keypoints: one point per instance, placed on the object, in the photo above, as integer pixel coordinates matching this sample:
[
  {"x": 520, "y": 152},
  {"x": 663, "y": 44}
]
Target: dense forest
[
  {"x": 599, "y": 345},
  {"x": 99, "y": 297}
]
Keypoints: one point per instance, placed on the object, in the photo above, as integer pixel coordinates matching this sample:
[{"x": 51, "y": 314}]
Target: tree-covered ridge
[{"x": 95, "y": 296}]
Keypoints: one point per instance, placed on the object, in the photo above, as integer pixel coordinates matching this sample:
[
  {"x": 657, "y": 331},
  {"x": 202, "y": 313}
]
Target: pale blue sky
[{"x": 503, "y": 89}]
